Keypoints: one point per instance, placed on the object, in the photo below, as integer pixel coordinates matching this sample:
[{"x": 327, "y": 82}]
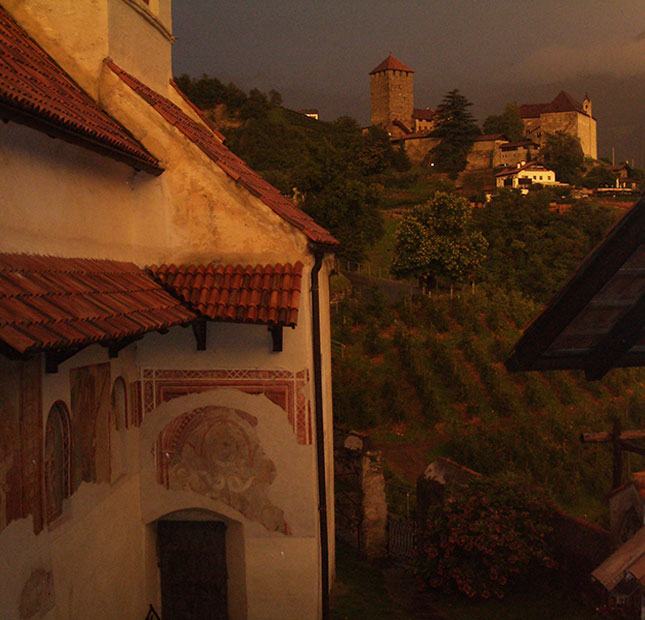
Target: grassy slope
[{"x": 433, "y": 375}]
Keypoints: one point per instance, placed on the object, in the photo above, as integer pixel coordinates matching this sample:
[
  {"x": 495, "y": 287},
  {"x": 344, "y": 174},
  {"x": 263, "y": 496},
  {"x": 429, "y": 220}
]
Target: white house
[
  {"x": 165, "y": 395},
  {"x": 524, "y": 175}
]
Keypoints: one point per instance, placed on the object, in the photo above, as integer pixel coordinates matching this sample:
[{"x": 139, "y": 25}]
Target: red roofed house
[
  {"x": 565, "y": 114},
  {"x": 165, "y": 401}
]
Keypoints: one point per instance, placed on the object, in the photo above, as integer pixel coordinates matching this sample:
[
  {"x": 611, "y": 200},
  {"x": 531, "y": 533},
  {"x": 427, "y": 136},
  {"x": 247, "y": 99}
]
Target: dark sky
[{"x": 318, "y": 53}]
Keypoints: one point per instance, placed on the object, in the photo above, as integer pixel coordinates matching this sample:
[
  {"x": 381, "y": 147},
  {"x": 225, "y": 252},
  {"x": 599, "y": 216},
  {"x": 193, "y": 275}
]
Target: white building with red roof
[{"x": 164, "y": 342}]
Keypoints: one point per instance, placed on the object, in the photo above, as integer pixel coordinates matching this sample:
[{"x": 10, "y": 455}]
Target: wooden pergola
[{"x": 596, "y": 321}]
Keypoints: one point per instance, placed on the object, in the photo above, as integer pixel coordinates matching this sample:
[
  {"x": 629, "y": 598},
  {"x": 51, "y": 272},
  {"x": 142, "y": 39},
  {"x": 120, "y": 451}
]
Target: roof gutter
[{"x": 320, "y": 438}]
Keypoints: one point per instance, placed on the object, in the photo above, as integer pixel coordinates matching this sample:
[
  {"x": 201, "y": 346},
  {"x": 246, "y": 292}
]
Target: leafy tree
[
  {"x": 509, "y": 123},
  {"x": 437, "y": 239},
  {"x": 456, "y": 127},
  {"x": 599, "y": 176},
  {"x": 348, "y": 208},
  {"x": 533, "y": 248},
  {"x": 487, "y": 536},
  {"x": 563, "y": 154}
]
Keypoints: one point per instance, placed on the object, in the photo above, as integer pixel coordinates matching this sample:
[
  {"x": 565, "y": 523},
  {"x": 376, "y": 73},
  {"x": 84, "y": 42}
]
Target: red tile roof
[
  {"x": 423, "y": 114},
  {"x": 268, "y": 295},
  {"x": 202, "y": 137},
  {"x": 60, "y": 303},
  {"x": 35, "y": 91},
  {"x": 391, "y": 64},
  {"x": 563, "y": 102}
]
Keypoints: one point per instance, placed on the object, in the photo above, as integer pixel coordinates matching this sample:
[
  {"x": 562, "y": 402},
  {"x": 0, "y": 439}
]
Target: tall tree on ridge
[{"x": 456, "y": 127}]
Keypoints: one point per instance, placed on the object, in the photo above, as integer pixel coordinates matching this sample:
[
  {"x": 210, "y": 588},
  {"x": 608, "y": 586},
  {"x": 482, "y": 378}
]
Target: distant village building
[
  {"x": 513, "y": 153},
  {"x": 525, "y": 175},
  {"x": 310, "y": 112},
  {"x": 565, "y": 114}
]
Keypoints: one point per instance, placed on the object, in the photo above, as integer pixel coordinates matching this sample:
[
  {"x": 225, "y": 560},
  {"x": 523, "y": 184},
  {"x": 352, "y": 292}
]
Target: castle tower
[
  {"x": 586, "y": 105},
  {"x": 392, "y": 96}
]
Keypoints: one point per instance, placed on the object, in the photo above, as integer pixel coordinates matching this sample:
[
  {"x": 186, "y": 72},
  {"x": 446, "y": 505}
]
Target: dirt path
[{"x": 406, "y": 459}]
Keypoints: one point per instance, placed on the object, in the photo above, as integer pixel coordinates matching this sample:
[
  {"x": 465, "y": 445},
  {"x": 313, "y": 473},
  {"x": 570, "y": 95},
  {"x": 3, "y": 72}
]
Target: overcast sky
[{"x": 318, "y": 53}]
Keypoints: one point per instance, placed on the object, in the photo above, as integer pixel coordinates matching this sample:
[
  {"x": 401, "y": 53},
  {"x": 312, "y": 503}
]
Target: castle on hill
[{"x": 392, "y": 107}]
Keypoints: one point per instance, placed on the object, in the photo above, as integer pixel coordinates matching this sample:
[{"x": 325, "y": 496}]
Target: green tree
[
  {"x": 349, "y": 209},
  {"x": 437, "y": 239},
  {"x": 457, "y": 129},
  {"x": 599, "y": 176},
  {"x": 563, "y": 154},
  {"x": 509, "y": 123}
]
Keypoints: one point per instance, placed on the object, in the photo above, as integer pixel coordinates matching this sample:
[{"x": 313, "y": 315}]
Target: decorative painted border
[{"x": 283, "y": 387}]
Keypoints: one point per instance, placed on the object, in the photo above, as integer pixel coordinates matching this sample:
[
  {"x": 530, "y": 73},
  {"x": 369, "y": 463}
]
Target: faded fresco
[
  {"x": 20, "y": 442},
  {"x": 215, "y": 451},
  {"x": 91, "y": 405}
]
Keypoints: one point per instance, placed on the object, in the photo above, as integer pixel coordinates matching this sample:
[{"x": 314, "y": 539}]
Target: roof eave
[
  {"x": 603, "y": 262},
  {"x": 56, "y": 130}
]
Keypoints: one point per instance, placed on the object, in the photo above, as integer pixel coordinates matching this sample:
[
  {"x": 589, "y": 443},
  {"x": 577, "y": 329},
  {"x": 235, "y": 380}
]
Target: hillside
[{"x": 429, "y": 372}]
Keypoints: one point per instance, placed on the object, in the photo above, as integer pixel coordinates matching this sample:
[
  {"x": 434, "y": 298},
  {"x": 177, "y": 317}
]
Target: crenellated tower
[{"x": 392, "y": 96}]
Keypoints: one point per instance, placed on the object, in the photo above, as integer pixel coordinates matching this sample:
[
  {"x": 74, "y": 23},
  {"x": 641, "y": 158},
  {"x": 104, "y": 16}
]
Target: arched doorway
[{"x": 193, "y": 569}]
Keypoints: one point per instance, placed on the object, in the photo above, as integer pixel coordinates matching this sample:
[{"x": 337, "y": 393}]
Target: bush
[{"x": 487, "y": 537}]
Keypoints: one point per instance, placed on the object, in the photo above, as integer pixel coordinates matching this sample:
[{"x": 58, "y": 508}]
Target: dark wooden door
[{"x": 192, "y": 560}]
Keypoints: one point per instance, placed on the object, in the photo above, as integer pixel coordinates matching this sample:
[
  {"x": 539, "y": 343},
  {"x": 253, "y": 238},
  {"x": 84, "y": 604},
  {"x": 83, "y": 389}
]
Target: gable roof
[
  {"x": 264, "y": 294},
  {"x": 50, "y": 303},
  {"x": 230, "y": 163},
  {"x": 391, "y": 64},
  {"x": 35, "y": 91},
  {"x": 563, "y": 102},
  {"x": 597, "y": 320},
  {"x": 423, "y": 114},
  {"x": 531, "y": 165}
]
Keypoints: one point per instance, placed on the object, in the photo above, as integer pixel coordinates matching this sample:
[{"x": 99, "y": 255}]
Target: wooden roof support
[
  {"x": 54, "y": 358},
  {"x": 591, "y": 276},
  {"x": 114, "y": 346},
  {"x": 276, "y": 336},
  {"x": 200, "y": 332},
  {"x": 620, "y": 339}
]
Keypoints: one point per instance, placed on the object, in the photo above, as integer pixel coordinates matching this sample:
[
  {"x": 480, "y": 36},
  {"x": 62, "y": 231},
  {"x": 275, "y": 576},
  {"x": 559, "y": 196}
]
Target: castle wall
[
  {"x": 417, "y": 149},
  {"x": 392, "y": 98}
]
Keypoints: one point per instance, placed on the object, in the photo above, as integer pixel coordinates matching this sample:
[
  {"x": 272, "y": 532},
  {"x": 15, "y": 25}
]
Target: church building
[{"x": 165, "y": 386}]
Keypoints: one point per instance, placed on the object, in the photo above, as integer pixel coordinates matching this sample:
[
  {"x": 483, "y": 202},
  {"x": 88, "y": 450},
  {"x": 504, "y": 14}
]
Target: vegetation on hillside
[
  {"x": 437, "y": 240},
  {"x": 434, "y": 367}
]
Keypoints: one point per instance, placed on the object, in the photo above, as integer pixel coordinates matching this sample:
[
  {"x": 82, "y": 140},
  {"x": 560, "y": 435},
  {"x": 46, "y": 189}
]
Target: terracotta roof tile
[
  {"x": 231, "y": 164},
  {"x": 423, "y": 114},
  {"x": 35, "y": 91},
  {"x": 391, "y": 64},
  {"x": 55, "y": 303},
  {"x": 563, "y": 102},
  {"x": 263, "y": 294}
]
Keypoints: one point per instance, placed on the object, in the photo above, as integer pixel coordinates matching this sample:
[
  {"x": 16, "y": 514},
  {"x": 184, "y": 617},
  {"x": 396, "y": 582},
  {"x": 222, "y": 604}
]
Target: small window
[{"x": 57, "y": 460}]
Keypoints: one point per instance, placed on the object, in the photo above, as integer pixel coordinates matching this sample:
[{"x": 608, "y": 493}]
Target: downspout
[{"x": 320, "y": 438}]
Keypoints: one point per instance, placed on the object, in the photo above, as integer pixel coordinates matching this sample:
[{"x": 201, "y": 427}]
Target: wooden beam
[
  {"x": 114, "y": 346},
  {"x": 54, "y": 358},
  {"x": 588, "y": 280},
  {"x": 632, "y": 447},
  {"x": 605, "y": 437},
  {"x": 622, "y": 337},
  {"x": 276, "y": 335},
  {"x": 199, "y": 330},
  {"x": 618, "y": 455}
]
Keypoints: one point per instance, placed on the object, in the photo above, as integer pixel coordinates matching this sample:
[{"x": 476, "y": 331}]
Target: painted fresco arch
[{"x": 57, "y": 460}]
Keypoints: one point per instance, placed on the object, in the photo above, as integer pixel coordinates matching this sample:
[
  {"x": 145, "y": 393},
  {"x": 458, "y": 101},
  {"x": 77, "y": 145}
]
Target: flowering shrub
[{"x": 487, "y": 536}]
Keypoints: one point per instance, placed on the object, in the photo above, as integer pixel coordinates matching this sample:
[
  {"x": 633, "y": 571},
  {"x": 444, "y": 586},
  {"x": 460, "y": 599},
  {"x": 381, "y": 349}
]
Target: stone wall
[
  {"x": 392, "y": 98},
  {"x": 361, "y": 506}
]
